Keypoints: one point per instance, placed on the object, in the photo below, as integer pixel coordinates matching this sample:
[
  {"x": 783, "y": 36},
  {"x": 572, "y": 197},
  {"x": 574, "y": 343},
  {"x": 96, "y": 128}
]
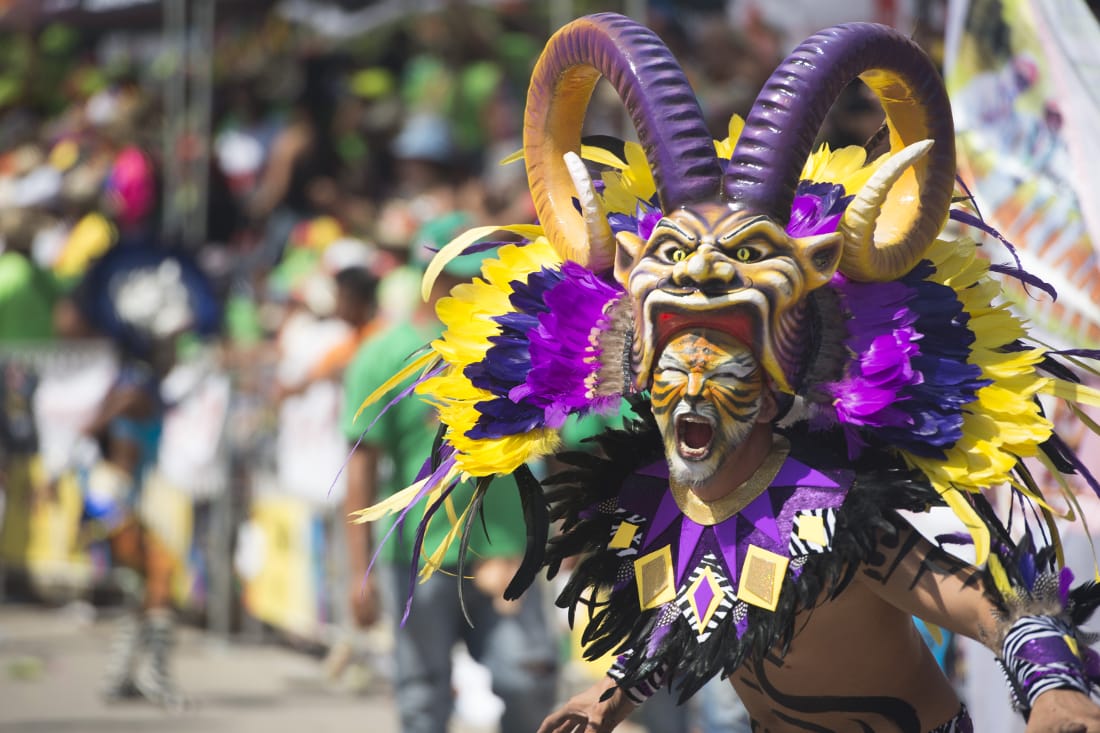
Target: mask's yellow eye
[
  {"x": 679, "y": 255},
  {"x": 746, "y": 254}
]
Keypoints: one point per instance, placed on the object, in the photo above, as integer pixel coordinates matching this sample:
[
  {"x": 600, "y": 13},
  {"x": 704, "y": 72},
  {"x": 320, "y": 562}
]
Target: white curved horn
[
  {"x": 888, "y": 258},
  {"x": 595, "y": 219}
]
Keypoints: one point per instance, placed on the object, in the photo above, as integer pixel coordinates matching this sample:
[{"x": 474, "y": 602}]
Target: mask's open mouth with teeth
[{"x": 694, "y": 434}]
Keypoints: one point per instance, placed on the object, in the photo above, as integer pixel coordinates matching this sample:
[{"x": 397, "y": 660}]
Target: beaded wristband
[
  {"x": 1041, "y": 653},
  {"x": 644, "y": 689}
]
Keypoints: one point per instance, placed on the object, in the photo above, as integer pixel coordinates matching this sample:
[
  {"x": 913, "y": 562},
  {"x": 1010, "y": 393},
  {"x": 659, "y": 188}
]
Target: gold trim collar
[{"x": 708, "y": 513}]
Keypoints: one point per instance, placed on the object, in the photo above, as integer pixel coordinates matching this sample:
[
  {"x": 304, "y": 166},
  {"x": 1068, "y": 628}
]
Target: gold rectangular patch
[
  {"x": 654, "y": 577},
  {"x": 812, "y": 529},
  {"x": 762, "y": 577},
  {"x": 624, "y": 535}
]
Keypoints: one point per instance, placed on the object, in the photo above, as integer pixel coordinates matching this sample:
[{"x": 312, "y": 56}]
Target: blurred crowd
[{"x": 179, "y": 418}]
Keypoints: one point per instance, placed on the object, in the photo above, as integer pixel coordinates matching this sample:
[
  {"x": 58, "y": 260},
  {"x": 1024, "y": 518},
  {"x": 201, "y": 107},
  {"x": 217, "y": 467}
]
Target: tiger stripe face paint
[{"x": 707, "y": 392}]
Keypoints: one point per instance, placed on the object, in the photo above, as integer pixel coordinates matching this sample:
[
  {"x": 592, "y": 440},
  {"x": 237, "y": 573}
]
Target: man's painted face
[{"x": 707, "y": 392}]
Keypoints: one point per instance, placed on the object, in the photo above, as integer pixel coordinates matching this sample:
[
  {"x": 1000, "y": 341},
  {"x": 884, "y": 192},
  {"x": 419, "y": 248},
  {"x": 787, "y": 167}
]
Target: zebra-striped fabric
[
  {"x": 638, "y": 522},
  {"x": 722, "y": 591},
  {"x": 642, "y": 691},
  {"x": 799, "y": 544},
  {"x": 1037, "y": 657},
  {"x": 961, "y": 723}
]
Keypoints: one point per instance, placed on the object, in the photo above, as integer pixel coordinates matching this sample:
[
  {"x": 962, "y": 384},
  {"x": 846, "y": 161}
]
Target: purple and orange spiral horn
[
  {"x": 659, "y": 100},
  {"x": 886, "y": 231}
]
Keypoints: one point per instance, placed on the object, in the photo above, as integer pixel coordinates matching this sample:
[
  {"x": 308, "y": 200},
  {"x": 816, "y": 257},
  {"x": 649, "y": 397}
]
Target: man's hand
[
  {"x": 365, "y": 603},
  {"x": 1064, "y": 711},
  {"x": 584, "y": 713}
]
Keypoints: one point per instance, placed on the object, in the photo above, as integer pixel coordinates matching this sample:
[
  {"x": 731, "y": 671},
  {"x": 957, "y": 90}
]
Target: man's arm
[
  {"x": 921, "y": 579},
  {"x": 362, "y": 491},
  {"x": 912, "y": 574}
]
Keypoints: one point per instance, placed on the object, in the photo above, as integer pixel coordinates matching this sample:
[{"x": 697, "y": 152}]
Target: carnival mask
[
  {"x": 721, "y": 256},
  {"x": 729, "y": 269},
  {"x": 707, "y": 392}
]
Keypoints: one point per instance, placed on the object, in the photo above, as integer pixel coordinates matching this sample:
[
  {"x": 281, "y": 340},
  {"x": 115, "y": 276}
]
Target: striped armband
[
  {"x": 1041, "y": 653},
  {"x": 642, "y": 690}
]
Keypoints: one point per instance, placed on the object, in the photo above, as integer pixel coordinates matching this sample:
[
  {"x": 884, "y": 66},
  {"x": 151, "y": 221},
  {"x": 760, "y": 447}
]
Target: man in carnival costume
[
  {"x": 806, "y": 356},
  {"x": 143, "y": 297}
]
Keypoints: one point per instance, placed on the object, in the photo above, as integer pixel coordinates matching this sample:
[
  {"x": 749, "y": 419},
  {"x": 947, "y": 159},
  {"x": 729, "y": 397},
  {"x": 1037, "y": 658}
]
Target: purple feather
[
  {"x": 817, "y": 208},
  {"x": 1065, "y": 580},
  {"x": 541, "y": 362},
  {"x": 909, "y": 379},
  {"x": 437, "y": 476},
  {"x": 1083, "y": 353},
  {"x": 1080, "y": 467},
  {"x": 954, "y": 538},
  {"x": 1018, "y": 272},
  {"x": 1026, "y": 278},
  {"x": 418, "y": 546}
]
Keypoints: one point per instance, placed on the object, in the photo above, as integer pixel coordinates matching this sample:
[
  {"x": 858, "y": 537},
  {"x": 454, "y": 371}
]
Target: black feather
[
  {"x": 476, "y": 505},
  {"x": 537, "y": 517}
]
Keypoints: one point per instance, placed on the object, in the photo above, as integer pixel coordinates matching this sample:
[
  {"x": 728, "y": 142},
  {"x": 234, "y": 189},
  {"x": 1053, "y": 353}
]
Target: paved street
[{"x": 51, "y": 661}]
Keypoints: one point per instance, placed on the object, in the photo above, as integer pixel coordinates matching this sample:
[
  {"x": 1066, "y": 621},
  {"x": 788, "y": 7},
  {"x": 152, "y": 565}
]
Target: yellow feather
[
  {"x": 1033, "y": 494},
  {"x": 1071, "y": 497},
  {"x": 1079, "y": 394},
  {"x": 602, "y": 156},
  {"x": 1084, "y": 418},
  {"x": 638, "y": 173},
  {"x": 724, "y": 148},
  {"x": 1056, "y": 539},
  {"x": 394, "y": 503},
  {"x": 434, "y": 562},
  {"x": 416, "y": 365},
  {"x": 970, "y": 519},
  {"x": 458, "y": 245},
  {"x": 1000, "y": 579}
]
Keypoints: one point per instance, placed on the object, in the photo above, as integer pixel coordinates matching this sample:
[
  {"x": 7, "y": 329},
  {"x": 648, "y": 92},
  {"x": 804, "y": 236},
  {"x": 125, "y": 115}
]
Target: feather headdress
[{"x": 905, "y": 345}]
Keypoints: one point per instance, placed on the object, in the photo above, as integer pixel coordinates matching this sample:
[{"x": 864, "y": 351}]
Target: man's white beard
[{"x": 694, "y": 474}]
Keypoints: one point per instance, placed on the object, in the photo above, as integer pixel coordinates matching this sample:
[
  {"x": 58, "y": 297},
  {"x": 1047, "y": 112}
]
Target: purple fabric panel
[
  {"x": 690, "y": 534},
  {"x": 762, "y": 516},
  {"x": 804, "y": 499},
  {"x": 796, "y": 473},
  {"x": 667, "y": 513},
  {"x": 725, "y": 534},
  {"x": 641, "y": 493},
  {"x": 655, "y": 470}
]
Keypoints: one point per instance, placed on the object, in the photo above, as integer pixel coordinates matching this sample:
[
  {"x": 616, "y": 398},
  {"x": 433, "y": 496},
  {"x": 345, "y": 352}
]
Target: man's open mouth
[{"x": 694, "y": 434}]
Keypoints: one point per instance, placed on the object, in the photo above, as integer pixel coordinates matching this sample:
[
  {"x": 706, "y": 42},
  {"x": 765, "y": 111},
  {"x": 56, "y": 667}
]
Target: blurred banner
[
  {"x": 48, "y": 394},
  {"x": 277, "y": 554},
  {"x": 1024, "y": 80}
]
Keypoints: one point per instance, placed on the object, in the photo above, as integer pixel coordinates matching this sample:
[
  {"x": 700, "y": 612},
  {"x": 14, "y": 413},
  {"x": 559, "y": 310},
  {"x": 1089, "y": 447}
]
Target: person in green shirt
[
  {"x": 511, "y": 638},
  {"x": 27, "y": 292}
]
